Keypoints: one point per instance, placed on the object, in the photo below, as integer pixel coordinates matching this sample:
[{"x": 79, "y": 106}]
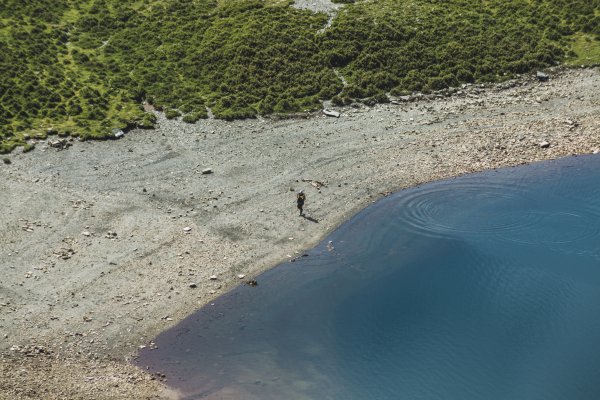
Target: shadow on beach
[{"x": 311, "y": 219}]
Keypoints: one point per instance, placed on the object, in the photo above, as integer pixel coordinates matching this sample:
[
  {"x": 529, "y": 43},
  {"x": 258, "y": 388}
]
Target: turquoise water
[{"x": 485, "y": 286}]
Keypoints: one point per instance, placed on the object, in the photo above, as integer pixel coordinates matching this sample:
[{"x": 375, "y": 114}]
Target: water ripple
[
  {"x": 444, "y": 210},
  {"x": 475, "y": 209}
]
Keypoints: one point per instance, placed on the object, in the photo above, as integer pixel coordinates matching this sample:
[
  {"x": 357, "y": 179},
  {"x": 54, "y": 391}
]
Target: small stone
[
  {"x": 193, "y": 285},
  {"x": 213, "y": 278},
  {"x": 86, "y": 233},
  {"x": 241, "y": 276},
  {"x": 187, "y": 229},
  {"x": 207, "y": 171},
  {"x": 118, "y": 133},
  {"x": 544, "y": 144}
]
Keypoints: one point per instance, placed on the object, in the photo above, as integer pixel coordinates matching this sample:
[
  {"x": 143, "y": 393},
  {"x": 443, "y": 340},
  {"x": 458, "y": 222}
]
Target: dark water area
[{"x": 485, "y": 286}]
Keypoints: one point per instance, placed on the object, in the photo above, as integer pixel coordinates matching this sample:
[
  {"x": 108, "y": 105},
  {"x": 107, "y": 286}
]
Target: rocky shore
[{"x": 105, "y": 244}]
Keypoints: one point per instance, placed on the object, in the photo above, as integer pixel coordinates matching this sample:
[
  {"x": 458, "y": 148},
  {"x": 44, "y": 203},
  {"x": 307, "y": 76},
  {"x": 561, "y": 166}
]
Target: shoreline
[{"x": 106, "y": 244}]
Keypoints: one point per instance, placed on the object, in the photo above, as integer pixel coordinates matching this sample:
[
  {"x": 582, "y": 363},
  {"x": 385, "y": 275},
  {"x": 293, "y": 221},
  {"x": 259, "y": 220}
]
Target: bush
[
  {"x": 148, "y": 121},
  {"x": 194, "y": 117},
  {"x": 28, "y": 147},
  {"x": 171, "y": 114}
]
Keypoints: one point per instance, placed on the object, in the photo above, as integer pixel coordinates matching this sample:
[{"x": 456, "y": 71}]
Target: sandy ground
[{"x": 105, "y": 244}]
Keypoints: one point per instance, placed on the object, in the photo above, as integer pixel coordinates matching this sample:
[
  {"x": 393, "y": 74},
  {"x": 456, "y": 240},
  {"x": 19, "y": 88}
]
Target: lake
[{"x": 485, "y": 286}]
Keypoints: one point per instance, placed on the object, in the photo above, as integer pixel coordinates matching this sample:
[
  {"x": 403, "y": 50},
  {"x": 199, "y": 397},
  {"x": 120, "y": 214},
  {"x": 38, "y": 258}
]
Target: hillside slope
[{"x": 84, "y": 67}]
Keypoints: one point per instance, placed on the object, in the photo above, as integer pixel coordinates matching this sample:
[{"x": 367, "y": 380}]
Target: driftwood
[{"x": 317, "y": 184}]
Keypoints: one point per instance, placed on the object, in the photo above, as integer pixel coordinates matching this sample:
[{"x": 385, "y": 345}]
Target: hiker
[{"x": 300, "y": 200}]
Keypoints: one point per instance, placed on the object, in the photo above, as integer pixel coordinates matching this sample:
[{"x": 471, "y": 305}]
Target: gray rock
[
  {"x": 541, "y": 76},
  {"x": 207, "y": 171},
  {"x": 331, "y": 113},
  {"x": 59, "y": 144}
]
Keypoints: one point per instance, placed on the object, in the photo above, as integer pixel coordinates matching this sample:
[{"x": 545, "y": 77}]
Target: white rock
[
  {"x": 241, "y": 276},
  {"x": 118, "y": 133},
  {"x": 331, "y": 113}
]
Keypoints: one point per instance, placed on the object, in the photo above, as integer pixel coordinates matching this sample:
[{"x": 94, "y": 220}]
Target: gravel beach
[{"x": 105, "y": 244}]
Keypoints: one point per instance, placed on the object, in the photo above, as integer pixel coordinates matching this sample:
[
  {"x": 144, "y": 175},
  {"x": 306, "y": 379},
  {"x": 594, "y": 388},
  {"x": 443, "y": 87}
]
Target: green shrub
[
  {"x": 194, "y": 116},
  {"x": 337, "y": 101},
  {"x": 171, "y": 113},
  {"x": 243, "y": 57}
]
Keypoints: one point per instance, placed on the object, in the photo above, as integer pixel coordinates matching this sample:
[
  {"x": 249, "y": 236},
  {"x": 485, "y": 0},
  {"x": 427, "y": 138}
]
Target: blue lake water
[{"x": 486, "y": 286}]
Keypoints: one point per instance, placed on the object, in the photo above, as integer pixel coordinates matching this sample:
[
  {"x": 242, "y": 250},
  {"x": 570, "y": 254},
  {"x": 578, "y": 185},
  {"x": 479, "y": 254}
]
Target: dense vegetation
[{"x": 84, "y": 67}]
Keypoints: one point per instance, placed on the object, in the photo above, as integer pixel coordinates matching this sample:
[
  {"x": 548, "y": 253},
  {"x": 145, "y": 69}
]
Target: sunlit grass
[{"x": 586, "y": 49}]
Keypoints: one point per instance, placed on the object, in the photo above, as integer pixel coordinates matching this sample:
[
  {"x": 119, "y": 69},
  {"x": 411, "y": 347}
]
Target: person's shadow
[{"x": 311, "y": 219}]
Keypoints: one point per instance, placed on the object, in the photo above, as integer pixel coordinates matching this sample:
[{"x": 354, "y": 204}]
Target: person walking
[{"x": 300, "y": 198}]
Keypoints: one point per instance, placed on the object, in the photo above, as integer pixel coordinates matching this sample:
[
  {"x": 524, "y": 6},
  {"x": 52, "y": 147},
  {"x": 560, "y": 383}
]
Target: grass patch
[{"x": 585, "y": 50}]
